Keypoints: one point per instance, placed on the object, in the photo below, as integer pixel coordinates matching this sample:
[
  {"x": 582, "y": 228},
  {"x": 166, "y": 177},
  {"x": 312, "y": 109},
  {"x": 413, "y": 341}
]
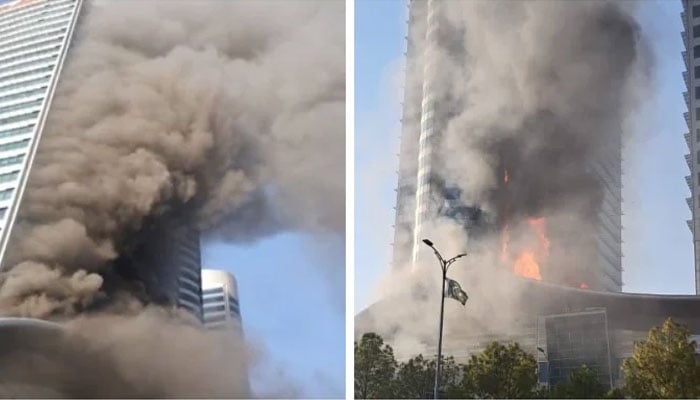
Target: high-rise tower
[
  {"x": 220, "y": 299},
  {"x": 424, "y": 194},
  {"x": 691, "y": 76},
  {"x": 34, "y": 39}
]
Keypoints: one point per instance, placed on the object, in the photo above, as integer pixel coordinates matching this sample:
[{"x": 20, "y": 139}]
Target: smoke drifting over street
[
  {"x": 229, "y": 115},
  {"x": 532, "y": 100}
]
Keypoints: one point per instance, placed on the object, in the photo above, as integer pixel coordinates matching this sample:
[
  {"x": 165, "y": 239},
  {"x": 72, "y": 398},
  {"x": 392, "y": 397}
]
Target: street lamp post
[{"x": 444, "y": 265}]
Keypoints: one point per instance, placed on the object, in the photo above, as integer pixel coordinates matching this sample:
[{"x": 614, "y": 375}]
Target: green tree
[
  {"x": 375, "y": 367},
  {"x": 501, "y": 371},
  {"x": 583, "y": 383},
  {"x": 663, "y": 366},
  {"x": 416, "y": 378}
]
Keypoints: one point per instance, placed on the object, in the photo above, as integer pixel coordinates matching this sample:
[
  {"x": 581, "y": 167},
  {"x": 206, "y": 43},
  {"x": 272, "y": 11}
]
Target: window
[
  {"x": 3, "y": 211},
  {"x": 698, "y": 178},
  {"x": 696, "y": 11},
  {"x": 14, "y": 145},
  {"x": 23, "y": 95},
  {"x": 17, "y": 118},
  {"x": 697, "y": 113},
  {"x": 696, "y": 31},
  {"x": 11, "y": 176},
  {"x": 217, "y": 299},
  {"x": 697, "y": 156},
  {"x": 214, "y": 308},
  {"x": 697, "y": 72},
  {"x": 19, "y": 106},
  {"x": 696, "y": 51},
  {"x": 697, "y": 135},
  {"x": 697, "y": 92},
  {"x": 189, "y": 285},
  {"x": 11, "y": 160},
  {"x": 212, "y": 291},
  {"x": 189, "y": 297},
  {"x": 6, "y": 194}
]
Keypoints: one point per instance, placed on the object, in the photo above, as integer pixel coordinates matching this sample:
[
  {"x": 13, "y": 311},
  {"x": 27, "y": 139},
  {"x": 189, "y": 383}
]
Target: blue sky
[
  {"x": 292, "y": 303},
  {"x": 657, "y": 244}
]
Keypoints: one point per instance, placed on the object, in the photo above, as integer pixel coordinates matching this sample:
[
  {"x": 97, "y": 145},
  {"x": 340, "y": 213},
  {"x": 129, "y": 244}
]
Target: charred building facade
[
  {"x": 425, "y": 192},
  {"x": 166, "y": 263}
]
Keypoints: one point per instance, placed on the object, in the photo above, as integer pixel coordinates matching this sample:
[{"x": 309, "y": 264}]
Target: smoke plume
[
  {"x": 532, "y": 100},
  {"x": 226, "y": 115}
]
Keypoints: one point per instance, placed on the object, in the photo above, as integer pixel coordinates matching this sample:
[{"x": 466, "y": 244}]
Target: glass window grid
[
  {"x": 50, "y": 59},
  {"x": 24, "y": 72},
  {"x": 14, "y": 145},
  {"x": 22, "y": 95},
  {"x": 18, "y": 118},
  {"x": 11, "y": 160},
  {"x": 6, "y": 194},
  {"x": 39, "y": 51},
  {"x": 17, "y": 131},
  {"x": 9, "y": 177},
  {"x": 20, "y": 106},
  {"x": 45, "y": 55},
  {"x": 31, "y": 44},
  {"x": 19, "y": 29},
  {"x": 189, "y": 296},
  {"x": 28, "y": 82},
  {"x": 213, "y": 291},
  {"x": 189, "y": 285},
  {"x": 214, "y": 308},
  {"x": 191, "y": 274},
  {"x": 18, "y": 20},
  {"x": 36, "y": 28},
  {"x": 217, "y": 299},
  {"x": 30, "y": 37}
]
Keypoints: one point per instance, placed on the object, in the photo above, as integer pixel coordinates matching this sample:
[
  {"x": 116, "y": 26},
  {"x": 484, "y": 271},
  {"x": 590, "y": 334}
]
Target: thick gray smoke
[
  {"x": 228, "y": 115},
  {"x": 152, "y": 355},
  {"x": 532, "y": 101},
  {"x": 538, "y": 94}
]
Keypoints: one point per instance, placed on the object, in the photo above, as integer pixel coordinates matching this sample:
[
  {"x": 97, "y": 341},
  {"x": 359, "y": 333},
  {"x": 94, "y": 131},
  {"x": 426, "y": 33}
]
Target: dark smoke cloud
[
  {"x": 149, "y": 355},
  {"x": 228, "y": 115},
  {"x": 544, "y": 89}
]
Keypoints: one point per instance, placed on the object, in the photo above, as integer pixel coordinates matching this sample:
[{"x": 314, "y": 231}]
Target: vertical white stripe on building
[{"x": 34, "y": 39}]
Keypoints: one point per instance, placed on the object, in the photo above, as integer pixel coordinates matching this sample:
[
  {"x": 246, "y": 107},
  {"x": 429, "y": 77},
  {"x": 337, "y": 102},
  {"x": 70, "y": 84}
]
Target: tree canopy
[
  {"x": 375, "y": 368},
  {"x": 583, "y": 383},
  {"x": 664, "y": 365}
]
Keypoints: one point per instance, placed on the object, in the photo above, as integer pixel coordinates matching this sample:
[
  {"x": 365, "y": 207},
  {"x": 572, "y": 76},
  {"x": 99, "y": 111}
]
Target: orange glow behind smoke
[
  {"x": 527, "y": 263},
  {"x": 583, "y": 286}
]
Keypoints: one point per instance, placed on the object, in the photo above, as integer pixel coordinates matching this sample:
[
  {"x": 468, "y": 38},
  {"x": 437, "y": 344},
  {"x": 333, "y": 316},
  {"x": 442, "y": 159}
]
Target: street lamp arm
[
  {"x": 437, "y": 253},
  {"x": 453, "y": 259}
]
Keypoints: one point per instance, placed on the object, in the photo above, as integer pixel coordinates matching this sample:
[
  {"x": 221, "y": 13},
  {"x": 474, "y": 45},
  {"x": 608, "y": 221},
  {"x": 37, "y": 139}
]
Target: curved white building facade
[{"x": 220, "y": 299}]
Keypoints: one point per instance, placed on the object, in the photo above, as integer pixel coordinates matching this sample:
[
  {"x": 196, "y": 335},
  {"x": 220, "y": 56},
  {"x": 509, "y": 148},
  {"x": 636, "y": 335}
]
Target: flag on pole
[{"x": 455, "y": 291}]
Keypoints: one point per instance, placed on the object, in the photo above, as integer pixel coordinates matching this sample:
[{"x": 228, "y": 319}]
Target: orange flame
[
  {"x": 583, "y": 286},
  {"x": 505, "y": 176},
  {"x": 527, "y": 263}
]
